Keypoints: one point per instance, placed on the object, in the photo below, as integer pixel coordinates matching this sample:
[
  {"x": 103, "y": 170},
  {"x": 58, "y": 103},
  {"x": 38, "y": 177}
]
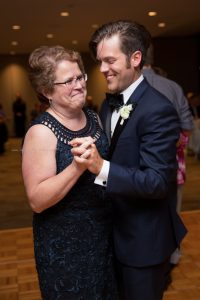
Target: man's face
[{"x": 113, "y": 64}]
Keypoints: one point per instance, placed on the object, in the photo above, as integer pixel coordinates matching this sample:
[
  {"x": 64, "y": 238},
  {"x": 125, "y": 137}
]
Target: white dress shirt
[{"x": 101, "y": 179}]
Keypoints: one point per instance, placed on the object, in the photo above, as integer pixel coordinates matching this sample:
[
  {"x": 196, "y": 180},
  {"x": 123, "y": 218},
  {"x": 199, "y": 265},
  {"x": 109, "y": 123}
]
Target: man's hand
[{"x": 86, "y": 153}]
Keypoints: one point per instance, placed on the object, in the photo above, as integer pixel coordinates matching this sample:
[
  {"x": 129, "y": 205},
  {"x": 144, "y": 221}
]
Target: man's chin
[{"x": 112, "y": 88}]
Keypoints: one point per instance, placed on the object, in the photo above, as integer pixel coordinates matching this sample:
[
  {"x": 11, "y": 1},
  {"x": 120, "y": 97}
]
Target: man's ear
[{"x": 136, "y": 58}]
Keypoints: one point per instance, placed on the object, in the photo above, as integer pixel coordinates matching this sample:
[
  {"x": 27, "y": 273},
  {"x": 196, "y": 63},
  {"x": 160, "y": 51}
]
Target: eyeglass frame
[{"x": 72, "y": 81}]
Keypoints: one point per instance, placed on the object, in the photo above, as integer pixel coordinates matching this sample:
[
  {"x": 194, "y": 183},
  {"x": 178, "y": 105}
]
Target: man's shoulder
[{"x": 154, "y": 100}]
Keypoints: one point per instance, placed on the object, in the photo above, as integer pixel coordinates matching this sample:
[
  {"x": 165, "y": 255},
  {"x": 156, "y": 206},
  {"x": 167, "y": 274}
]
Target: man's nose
[{"x": 103, "y": 67}]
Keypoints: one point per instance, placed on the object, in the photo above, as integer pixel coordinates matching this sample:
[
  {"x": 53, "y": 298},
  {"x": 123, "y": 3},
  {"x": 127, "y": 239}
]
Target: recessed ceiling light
[
  {"x": 16, "y": 27},
  {"x": 64, "y": 14},
  {"x": 74, "y": 42},
  {"x": 14, "y": 43},
  {"x": 95, "y": 26},
  {"x": 50, "y": 35},
  {"x": 152, "y": 13},
  {"x": 89, "y": 98},
  {"x": 161, "y": 24}
]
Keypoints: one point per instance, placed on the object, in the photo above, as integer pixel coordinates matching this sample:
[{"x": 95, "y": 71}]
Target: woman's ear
[
  {"x": 46, "y": 95},
  {"x": 136, "y": 58}
]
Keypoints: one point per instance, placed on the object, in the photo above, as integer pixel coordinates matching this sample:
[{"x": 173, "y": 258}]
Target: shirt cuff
[{"x": 102, "y": 178}]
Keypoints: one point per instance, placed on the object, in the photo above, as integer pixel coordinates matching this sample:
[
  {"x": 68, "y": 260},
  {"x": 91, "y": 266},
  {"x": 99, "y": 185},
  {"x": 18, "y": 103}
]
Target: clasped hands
[{"x": 86, "y": 154}]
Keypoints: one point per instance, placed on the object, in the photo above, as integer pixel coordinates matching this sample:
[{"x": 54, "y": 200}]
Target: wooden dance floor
[{"x": 18, "y": 278}]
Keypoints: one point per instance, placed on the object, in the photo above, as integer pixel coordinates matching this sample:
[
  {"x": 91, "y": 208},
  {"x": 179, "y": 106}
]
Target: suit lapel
[
  {"x": 108, "y": 124},
  {"x": 134, "y": 99}
]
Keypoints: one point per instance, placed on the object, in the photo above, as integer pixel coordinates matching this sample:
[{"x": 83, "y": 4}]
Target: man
[{"x": 141, "y": 174}]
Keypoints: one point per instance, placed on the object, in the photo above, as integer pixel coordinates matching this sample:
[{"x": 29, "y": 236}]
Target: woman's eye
[{"x": 69, "y": 82}]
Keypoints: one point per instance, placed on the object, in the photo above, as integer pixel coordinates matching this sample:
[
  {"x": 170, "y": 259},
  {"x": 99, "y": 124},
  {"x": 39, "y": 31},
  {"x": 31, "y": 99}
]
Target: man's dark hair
[{"x": 133, "y": 37}]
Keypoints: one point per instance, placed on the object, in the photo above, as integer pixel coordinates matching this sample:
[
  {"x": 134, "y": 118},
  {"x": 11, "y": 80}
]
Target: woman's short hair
[{"x": 43, "y": 62}]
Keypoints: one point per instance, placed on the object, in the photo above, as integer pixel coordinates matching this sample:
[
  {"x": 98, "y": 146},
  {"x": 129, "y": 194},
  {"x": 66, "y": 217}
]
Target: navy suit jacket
[{"x": 142, "y": 180}]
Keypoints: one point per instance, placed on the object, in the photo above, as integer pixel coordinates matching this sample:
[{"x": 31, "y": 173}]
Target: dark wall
[{"x": 180, "y": 58}]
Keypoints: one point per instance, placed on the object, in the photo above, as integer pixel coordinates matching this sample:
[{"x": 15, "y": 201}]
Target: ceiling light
[
  {"x": 16, "y": 27},
  {"x": 64, "y": 14},
  {"x": 74, "y": 42},
  {"x": 95, "y": 26},
  {"x": 152, "y": 13},
  {"x": 14, "y": 43},
  {"x": 50, "y": 35},
  {"x": 161, "y": 24}
]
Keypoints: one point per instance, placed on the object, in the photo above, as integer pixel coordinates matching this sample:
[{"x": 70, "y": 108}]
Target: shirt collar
[{"x": 128, "y": 92}]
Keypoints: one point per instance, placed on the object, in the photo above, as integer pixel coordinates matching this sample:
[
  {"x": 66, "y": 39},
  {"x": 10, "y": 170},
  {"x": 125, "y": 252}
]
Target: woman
[{"x": 72, "y": 222}]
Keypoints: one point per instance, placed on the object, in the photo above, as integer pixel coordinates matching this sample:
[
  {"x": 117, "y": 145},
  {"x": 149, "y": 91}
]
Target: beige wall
[{"x": 96, "y": 86}]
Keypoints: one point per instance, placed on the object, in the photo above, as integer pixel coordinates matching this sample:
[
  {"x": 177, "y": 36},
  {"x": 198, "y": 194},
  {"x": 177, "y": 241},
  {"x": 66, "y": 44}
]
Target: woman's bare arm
[{"x": 43, "y": 186}]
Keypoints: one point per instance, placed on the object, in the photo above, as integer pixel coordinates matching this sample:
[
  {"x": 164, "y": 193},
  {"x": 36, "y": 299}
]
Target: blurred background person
[
  {"x": 3, "y": 130},
  {"x": 2, "y": 112},
  {"x": 194, "y": 140},
  {"x": 19, "y": 111}
]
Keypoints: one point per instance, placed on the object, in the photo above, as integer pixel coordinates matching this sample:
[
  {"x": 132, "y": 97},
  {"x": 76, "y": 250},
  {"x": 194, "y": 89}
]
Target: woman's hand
[{"x": 86, "y": 154}]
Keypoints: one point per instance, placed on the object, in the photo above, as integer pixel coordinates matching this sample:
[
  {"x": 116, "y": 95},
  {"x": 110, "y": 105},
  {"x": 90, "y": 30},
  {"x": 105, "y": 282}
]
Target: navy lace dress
[{"x": 73, "y": 239}]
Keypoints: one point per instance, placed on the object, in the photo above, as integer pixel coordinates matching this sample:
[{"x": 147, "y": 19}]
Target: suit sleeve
[{"x": 156, "y": 165}]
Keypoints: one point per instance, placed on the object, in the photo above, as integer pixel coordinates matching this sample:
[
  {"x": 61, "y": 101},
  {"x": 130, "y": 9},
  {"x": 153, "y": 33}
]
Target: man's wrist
[{"x": 102, "y": 177}]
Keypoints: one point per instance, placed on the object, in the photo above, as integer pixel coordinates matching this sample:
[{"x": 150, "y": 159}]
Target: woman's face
[{"x": 69, "y": 86}]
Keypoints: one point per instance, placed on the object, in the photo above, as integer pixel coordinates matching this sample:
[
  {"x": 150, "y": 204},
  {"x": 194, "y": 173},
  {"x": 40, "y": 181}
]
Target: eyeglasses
[{"x": 72, "y": 81}]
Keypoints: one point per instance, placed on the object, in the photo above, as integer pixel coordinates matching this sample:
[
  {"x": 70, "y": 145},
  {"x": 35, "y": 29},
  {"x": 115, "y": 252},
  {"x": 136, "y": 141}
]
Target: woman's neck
[
  {"x": 72, "y": 119},
  {"x": 65, "y": 114}
]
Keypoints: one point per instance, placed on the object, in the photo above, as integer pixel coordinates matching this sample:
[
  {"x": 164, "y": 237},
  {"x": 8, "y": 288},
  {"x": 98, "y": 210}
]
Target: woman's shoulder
[
  {"x": 39, "y": 137},
  {"x": 41, "y": 118},
  {"x": 39, "y": 127},
  {"x": 45, "y": 120},
  {"x": 38, "y": 131}
]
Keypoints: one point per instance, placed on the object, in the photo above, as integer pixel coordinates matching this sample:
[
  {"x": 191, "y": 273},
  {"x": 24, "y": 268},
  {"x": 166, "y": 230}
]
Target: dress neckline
[{"x": 66, "y": 128}]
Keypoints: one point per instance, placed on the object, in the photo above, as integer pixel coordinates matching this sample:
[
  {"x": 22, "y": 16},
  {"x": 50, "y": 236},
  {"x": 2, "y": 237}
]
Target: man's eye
[{"x": 111, "y": 62}]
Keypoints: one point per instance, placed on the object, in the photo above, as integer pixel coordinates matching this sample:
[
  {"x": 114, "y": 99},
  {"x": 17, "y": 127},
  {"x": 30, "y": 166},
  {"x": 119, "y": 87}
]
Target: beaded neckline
[
  {"x": 64, "y": 134},
  {"x": 65, "y": 127}
]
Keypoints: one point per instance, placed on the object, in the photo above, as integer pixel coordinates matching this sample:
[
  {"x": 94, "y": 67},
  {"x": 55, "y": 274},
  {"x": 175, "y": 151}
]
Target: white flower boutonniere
[{"x": 125, "y": 112}]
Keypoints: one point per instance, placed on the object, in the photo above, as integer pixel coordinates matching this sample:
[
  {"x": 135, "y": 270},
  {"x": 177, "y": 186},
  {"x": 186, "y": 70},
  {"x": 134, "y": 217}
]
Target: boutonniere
[{"x": 125, "y": 112}]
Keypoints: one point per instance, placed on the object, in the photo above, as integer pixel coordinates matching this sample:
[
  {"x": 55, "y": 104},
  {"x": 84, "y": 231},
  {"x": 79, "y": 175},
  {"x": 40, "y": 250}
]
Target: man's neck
[{"x": 127, "y": 92}]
